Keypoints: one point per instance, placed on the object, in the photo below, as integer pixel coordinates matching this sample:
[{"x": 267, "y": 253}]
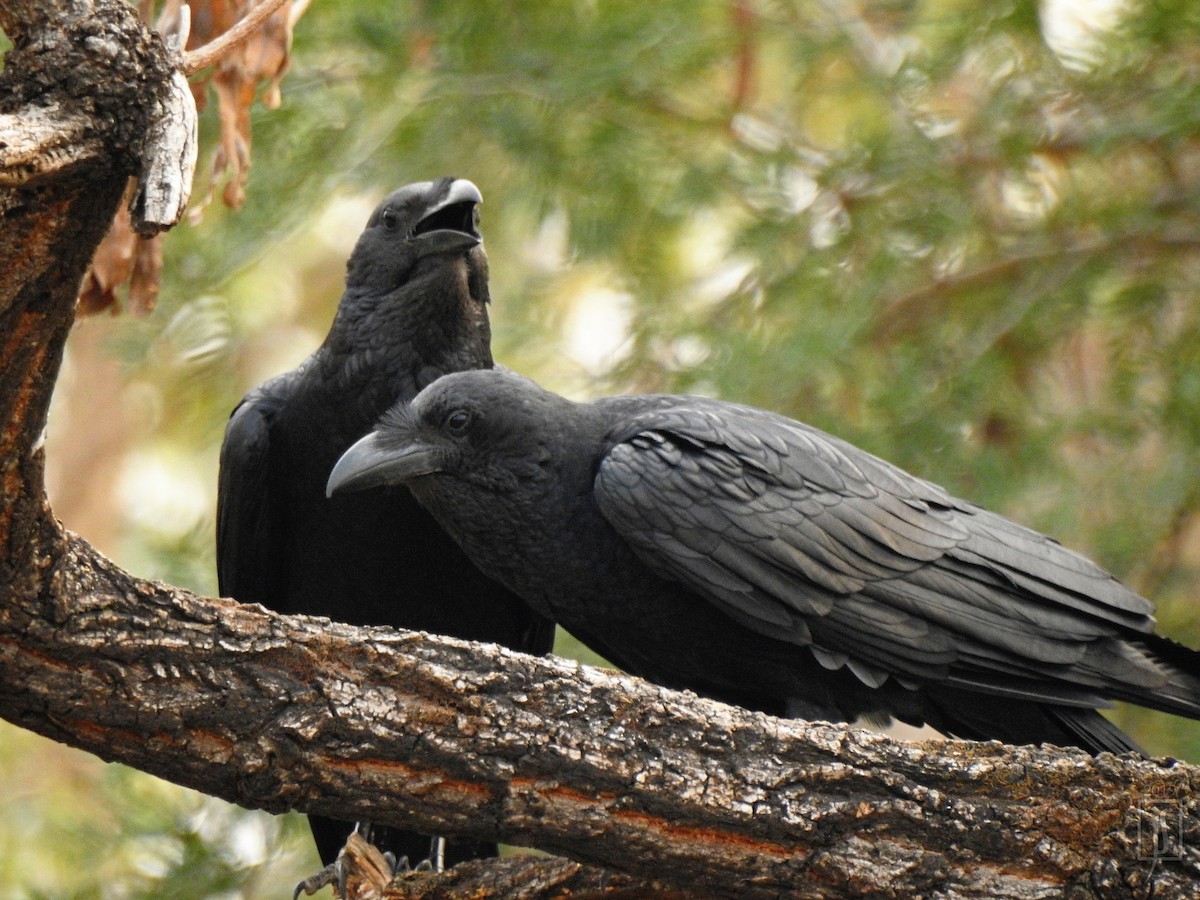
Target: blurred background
[{"x": 963, "y": 235}]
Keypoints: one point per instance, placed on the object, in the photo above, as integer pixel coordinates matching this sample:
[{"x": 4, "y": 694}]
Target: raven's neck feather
[{"x": 403, "y": 340}]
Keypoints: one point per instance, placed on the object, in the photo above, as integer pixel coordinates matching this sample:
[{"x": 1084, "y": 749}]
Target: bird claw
[
  {"x": 333, "y": 874},
  {"x": 404, "y": 867},
  {"x": 435, "y": 862},
  {"x": 337, "y": 872}
]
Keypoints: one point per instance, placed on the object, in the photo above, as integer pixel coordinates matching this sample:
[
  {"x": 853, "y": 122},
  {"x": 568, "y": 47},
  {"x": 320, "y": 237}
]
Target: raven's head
[
  {"x": 487, "y": 431},
  {"x": 418, "y": 279},
  {"x": 416, "y": 231},
  {"x": 486, "y": 452}
]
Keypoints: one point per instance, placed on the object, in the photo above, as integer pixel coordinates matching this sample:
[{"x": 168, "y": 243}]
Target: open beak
[
  {"x": 452, "y": 224},
  {"x": 368, "y": 463}
]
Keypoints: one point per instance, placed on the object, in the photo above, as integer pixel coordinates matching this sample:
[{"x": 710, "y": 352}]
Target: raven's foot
[
  {"x": 334, "y": 873},
  {"x": 369, "y": 864},
  {"x": 435, "y": 862}
]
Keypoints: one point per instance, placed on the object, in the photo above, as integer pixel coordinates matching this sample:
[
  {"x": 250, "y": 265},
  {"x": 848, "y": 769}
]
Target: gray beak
[
  {"x": 462, "y": 191},
  {"x": 369, "y": 464},
  {"x": 446, "y": 240},
  {"x": 450, "y": 226}
]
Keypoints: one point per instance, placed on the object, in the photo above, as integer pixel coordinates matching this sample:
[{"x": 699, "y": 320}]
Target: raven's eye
[
  {"x": 390, "y": 220},
  {"x": 457, "y": 421}
]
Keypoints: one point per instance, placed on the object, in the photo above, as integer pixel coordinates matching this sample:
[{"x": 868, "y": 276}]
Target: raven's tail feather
[
  {"x": 1181, "y": 694},
  {"x": 1092, "y": 731},
  {"x": 967, "y": 715}
]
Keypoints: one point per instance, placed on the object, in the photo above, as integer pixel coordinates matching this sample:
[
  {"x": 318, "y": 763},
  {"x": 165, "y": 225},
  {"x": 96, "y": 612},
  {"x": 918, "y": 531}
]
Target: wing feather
[
  {"x": 806, "y": 538},
  {"x": 245, "y": 546}
]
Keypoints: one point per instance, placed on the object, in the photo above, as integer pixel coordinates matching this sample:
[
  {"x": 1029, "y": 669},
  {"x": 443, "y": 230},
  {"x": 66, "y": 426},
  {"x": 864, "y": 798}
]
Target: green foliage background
[{"x": 914, "y": 224}]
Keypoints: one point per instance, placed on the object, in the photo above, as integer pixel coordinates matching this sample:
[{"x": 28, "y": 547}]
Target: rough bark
[
  {"x": 442, "y": 735},
  {"x": 445, "y": 736}
]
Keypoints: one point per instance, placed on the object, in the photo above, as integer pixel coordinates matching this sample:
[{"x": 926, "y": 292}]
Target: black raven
[
  {"x": 414, "y": 308},
  {"x": 756, "y": 560}
]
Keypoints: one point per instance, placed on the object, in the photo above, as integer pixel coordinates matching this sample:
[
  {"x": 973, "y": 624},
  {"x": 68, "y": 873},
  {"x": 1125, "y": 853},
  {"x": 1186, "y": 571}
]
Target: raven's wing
[
  {"x": 247, "y": 542},
  {"x": 803, "y": 537}
]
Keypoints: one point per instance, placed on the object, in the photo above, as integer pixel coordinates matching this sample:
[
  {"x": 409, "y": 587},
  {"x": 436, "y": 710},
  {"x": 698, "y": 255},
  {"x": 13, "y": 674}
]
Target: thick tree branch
[
  {"x": 442, "y": 735},
  {"x": 446, "y": 736},
  {"x": 75, "y": 65},
  {"x": 41, "y": 141}
]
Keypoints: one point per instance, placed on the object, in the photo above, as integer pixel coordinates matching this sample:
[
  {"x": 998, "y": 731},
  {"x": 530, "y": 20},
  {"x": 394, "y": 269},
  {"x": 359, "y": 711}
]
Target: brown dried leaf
[
  {"x": 236, "y": 80},
  {"x": 147, "y": 273},
  {"x": 122, "y": 257},
  {"x": 210, "y": 19},
  {"x": 122, "y": 260},
  {"x": 111, "y": 265}
]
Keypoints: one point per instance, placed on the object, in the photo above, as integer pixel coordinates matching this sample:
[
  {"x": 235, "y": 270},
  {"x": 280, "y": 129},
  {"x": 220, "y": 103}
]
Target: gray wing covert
[{"x": 803, "y": 537}]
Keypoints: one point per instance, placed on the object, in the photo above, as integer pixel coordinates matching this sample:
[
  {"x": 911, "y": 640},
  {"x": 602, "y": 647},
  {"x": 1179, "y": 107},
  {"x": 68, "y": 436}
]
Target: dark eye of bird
[
  {"x": 457, "y": 421},
  {"x": 390, "y": 220}
]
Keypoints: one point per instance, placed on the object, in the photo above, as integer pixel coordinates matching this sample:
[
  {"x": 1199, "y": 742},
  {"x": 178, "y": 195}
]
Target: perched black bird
[
  {"x": 757, "y": 560},
  {"x": 415, "y": 307}
]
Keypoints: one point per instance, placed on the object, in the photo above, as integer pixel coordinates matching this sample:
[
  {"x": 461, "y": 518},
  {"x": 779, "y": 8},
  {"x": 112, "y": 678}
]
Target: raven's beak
[
  {"x": 447, "y": 240},
  {"x": 452, "y": 224},
  {"x": 369, "y": 464}
]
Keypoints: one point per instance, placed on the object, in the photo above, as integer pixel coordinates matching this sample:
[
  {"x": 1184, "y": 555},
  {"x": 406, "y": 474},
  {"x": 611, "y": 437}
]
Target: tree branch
[
  {"x": 212, "y": 52},
  {"x": 448, "y": 736},
  {"x": 96, "y": 50},
  {"x": 165, "y": 178},
  {"x": 41, "y": 141}
]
